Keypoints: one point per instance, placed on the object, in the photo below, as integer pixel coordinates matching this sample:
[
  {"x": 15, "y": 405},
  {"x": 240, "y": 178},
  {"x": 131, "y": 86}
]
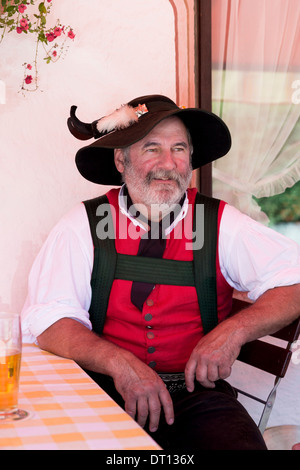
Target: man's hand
[
  {"x": 143, "y": 391},
  {"x": 145, "y": 394},
  {"x": 212, "y": 357}
]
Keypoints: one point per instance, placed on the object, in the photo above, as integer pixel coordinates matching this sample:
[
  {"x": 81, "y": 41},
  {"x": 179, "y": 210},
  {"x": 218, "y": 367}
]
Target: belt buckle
[{"x": 174, "y": 381}]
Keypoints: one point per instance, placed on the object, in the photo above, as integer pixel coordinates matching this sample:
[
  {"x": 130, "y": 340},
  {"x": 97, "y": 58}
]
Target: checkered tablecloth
[{"x": 67, "y": 410}]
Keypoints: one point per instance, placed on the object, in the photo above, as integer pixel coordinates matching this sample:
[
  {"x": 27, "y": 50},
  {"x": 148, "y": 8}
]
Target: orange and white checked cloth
[{"x": 67, "y": 410}]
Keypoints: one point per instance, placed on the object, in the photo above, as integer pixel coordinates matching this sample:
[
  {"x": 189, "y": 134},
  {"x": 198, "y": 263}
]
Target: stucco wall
[{"x": 122, "y": 49}]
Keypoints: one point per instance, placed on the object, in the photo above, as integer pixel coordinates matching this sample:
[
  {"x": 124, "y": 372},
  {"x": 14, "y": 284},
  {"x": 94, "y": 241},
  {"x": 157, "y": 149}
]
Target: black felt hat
[{"x": 133, "y": 121}]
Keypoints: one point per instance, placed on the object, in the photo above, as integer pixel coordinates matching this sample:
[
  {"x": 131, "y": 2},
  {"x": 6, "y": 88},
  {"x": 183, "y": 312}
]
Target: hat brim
[{"x": 210, "y": 136}]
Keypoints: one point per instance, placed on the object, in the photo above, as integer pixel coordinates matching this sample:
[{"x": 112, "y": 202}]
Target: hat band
[{"x": 161, "y": 106}]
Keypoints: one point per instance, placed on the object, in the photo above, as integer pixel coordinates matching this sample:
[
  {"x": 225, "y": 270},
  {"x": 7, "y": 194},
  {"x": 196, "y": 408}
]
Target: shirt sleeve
[
  {"x": 59, "y": 281},
  {"x": 255, "y": 258}
]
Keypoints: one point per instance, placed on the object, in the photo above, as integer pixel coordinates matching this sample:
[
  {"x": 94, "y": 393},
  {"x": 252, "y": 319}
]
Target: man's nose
[{"x": 167, "y": 160}]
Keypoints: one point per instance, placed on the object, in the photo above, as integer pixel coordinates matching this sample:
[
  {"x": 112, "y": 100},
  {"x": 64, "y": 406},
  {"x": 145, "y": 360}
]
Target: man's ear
[{"x": 119, "y": 160}]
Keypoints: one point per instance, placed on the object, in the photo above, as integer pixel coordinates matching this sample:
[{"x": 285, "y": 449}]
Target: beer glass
[{"x": 10, "y": 362}]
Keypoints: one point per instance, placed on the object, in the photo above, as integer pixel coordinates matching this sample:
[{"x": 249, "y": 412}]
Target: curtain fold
[{"x": 256, "y": 63}]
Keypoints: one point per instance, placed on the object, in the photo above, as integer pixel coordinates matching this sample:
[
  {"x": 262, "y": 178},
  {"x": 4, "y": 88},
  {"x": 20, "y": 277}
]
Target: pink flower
[
  {"x": 28, "y": 79},
  {"x": 50, "y": 37},
  {"x": 48, "y": 1},
  {"x": 57, "y": 31},
  {"x": 19, "y": 30},
  {"x": 22, "y": 8},
  {"x": 23, "y": 22},
  {"x": 71, "y": 35},
  {"x": 54, "y": 53},
  {"x": 29, "y": 67}
]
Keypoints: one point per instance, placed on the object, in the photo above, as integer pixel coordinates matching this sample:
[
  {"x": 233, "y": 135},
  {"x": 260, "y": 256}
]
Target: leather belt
[{"x": 173, "y": 381}]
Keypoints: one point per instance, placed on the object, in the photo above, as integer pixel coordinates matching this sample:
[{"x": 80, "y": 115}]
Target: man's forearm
[
  {"x": 275, "y": 309},
  {"x": 71, "y": 339},
  {"x": 216, "y": 352}
]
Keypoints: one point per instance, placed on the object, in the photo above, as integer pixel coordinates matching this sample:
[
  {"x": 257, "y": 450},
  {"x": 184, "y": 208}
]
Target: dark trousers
[{"x": 206, "y": 419}]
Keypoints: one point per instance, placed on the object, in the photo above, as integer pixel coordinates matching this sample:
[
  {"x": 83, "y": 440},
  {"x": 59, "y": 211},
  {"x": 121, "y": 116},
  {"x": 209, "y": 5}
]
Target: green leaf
[
  {"x": 42, "y": 37},
  {"x": 10, "y": 9},
  {"x": 42, "y": 8}
]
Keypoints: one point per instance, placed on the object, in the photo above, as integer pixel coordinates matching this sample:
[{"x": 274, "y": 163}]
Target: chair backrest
[{"x": 268, "y": 357}]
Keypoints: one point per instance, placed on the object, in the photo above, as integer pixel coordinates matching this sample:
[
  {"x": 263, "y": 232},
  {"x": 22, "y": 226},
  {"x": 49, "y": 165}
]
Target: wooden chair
[{"x": 270, "y": 358}]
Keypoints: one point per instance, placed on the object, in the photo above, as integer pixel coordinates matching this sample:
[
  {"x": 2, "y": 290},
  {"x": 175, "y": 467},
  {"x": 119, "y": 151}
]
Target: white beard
[{"x": 167, "y": 194}]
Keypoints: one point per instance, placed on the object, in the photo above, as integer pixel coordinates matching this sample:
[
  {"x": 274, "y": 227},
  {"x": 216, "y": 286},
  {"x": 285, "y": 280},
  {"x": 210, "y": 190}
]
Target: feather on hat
[{"x": 121, "y": 118}]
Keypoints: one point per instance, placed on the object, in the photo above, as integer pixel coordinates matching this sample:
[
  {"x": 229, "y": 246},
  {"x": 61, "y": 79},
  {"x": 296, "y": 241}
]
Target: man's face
[{"x": 157, "y": 169}]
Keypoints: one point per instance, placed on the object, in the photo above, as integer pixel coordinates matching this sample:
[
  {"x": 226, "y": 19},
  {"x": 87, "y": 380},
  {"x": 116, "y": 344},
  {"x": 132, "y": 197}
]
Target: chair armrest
[{"x": 265, "y": 356}]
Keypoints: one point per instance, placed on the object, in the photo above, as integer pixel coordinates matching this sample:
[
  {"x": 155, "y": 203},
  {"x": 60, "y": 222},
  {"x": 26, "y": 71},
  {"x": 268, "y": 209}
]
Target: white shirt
[{"x": 253, "y": 258}]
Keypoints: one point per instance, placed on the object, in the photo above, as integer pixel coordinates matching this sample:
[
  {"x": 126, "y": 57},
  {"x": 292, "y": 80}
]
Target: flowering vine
[{"x": 30, "y": 16}]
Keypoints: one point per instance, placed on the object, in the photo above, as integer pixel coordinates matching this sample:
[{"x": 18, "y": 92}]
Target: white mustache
[{"x": 163, "y": 175}]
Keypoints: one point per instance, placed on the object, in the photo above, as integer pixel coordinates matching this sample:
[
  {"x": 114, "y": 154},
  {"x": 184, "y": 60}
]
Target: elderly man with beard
[{"x": 148, "y": 344}]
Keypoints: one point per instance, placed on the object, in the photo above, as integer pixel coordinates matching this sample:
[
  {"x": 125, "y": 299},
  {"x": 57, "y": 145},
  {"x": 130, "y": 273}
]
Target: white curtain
[{"x": 256, "y": 67}]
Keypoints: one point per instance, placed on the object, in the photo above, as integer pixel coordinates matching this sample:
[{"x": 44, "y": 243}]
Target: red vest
[{"x": 164, "y": 334}]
